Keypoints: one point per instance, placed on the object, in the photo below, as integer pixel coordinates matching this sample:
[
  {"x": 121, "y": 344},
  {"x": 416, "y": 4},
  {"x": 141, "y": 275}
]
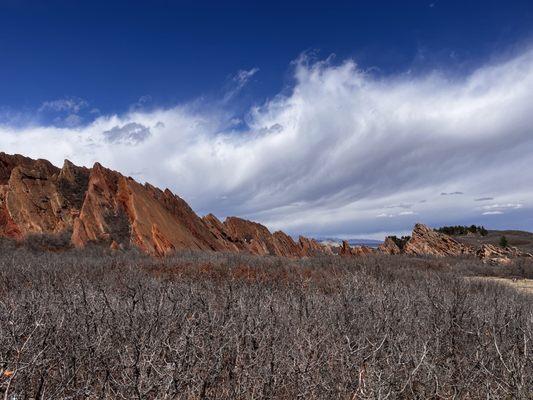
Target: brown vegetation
[{"x": 98, "y": 324}]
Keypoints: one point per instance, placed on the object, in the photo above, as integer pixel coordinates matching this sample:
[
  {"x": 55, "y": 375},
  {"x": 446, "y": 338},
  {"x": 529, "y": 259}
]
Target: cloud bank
[{"x": 341, "y": 152}]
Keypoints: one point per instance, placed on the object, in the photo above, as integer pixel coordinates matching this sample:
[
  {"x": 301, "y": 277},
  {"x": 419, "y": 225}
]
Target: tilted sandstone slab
[
  {"x": 221, "y": 234},
  {"x": 425, "y": 241},
  {"x": 257, "y": 239},
  {"x": 389, "y": 247},
  {"x": 119, "y": 210},
  {"x": 254, "y": 238}
]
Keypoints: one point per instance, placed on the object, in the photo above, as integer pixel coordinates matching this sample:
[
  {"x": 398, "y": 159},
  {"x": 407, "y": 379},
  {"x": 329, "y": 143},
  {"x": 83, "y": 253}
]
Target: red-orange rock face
[
  {"x": 38, "y": 197},
  {"x": 425, "y": 241},
  {"x": 102, "y": 206},
  {"x": 346, "y": 250},
  {"x": 389, "y": 247},
  {"x": 491, "y": 254},
  {"x": 118, "y": 209},
  {"x": 310, "y": 247},
  {"x": 257, "y": 239}
]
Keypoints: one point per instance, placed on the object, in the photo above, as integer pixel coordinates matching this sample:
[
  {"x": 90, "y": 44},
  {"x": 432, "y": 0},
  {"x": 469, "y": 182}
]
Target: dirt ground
[{"x": 525, "y": 285}]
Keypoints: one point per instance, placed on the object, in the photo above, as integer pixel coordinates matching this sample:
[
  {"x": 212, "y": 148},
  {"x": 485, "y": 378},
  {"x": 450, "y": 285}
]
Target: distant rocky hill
[
  {"x": 520, "y": 239},
  {"x": 426, "y": 241},
  {"x": 98, "y": 205}
]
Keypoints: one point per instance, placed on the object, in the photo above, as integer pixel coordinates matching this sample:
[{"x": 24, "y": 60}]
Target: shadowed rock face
[{"x": 102, "y": 206}]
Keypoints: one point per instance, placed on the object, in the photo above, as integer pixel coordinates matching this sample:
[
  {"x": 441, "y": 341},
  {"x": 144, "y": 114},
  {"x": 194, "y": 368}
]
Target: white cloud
[
  {"x": 243, "y": 76},
  {"x": 384, "y": 215},
  {"x": 239, "y": 81},
  {"x": 406, "y": 213},
  {"x": 514, "y": 206},
  {"x": 72, "y": 104},
  {"x": 493, "y": 213},
  {"x": 333, "y": 153}
]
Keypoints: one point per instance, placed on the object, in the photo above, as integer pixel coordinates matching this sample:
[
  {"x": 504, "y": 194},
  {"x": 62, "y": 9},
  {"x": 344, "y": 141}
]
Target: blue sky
[
  {"x": 112, "y": 53},
  {"x": 257, "y": 109}
]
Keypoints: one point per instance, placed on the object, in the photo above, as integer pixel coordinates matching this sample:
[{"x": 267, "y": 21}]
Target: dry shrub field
[{"x": 96, "y": 325}]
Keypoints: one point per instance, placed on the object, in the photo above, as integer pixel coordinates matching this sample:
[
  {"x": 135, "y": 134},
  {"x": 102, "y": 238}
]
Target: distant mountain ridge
[{"x": 99, "y": 205}]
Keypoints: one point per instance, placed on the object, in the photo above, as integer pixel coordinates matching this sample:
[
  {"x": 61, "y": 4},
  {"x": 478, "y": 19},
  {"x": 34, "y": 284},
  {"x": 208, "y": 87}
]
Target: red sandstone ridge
[
  {"x": 254, "y": 238},
  {"x": 102, "y": 206},
  {"x": 425, "y": 241}
]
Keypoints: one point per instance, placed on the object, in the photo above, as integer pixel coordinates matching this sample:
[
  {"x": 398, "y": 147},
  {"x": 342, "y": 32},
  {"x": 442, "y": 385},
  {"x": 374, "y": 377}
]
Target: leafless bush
[
  {"x": 95, "y": 324},
  {"x": 40, "y": 242}
]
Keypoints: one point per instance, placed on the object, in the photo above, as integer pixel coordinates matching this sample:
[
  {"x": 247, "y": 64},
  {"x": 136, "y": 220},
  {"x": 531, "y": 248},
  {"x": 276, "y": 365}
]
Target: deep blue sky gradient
[{"x": 113, "y": 52}]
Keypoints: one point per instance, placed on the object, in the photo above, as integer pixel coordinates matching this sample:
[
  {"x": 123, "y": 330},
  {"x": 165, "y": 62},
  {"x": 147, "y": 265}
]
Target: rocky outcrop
[
  {"x": 425, "y": 241},
  {"x": 311, "y": 248},
  {"x": 102, "y": 206},
  {"x": 389, "y": 246},
  {"x": 347, "y": 250},
  {"x": 221, "y": 234},
  {"x": 39, "y": 197},
  {"x": 8, "y": 162},
  {"x": 118, "y": 209},
  {"x": 255, "y": 238},
  {"x": 498, "y": 255}
]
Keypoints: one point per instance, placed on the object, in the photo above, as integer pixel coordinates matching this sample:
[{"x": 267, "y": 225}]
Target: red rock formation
[
  {"x": 257, "y": 239},
  {"x": 221, "y": 234},
  {"x": 425, "y": 241},
  {"x": 8, "y": 162},
  {"x": 311, "y": 248},
  {"x": 389, "y": 247},
  {"x": 8, "y": 227},
  {"x": 38, "y": 197},
  {"x": 118, "y": 209},
  {"x": 491, "y": 254},
  {"x": 346, "y": 250},
  {"x": 102, "y": 206},
  {"x": 239, "y": 234}
]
